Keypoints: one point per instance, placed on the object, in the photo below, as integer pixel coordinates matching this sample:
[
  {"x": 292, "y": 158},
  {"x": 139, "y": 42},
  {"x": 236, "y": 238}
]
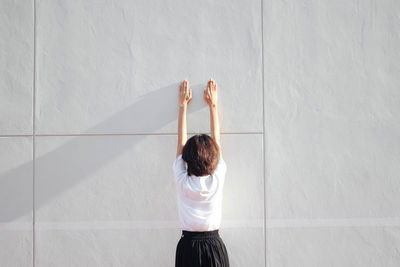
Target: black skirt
[{"x": 201, "y": 249}]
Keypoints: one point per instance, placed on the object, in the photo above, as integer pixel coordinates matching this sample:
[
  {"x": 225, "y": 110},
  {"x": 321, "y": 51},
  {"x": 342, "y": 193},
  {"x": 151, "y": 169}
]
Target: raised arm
[
  {"x": 211, "y": 97},
  {"x": 185, "y": 95}
]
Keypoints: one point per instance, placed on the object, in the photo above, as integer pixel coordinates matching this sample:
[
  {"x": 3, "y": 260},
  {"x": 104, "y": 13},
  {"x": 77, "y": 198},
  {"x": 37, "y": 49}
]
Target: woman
[{"x": 199, "y": 187}]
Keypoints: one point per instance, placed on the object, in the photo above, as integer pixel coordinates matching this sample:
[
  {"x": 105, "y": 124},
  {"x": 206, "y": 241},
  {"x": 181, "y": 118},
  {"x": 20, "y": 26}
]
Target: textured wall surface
[{"x": 309, "y": 112}]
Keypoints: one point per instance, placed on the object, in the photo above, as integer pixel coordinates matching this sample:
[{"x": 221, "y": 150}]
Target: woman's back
[{"x": 199, "y": 197}]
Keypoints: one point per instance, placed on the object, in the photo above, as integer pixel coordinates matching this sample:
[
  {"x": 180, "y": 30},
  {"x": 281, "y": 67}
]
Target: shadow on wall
[{"x": 151, "y": 112}]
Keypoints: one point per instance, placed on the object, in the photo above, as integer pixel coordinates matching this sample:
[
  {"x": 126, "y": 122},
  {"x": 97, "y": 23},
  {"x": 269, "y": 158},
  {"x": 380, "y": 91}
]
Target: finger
[
  {"x": 183, "y": 86},
  {"x": 206, "y": 99}
]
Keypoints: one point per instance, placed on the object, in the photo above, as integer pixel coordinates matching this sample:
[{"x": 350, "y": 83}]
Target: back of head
[{"x": 201, "y": 154}]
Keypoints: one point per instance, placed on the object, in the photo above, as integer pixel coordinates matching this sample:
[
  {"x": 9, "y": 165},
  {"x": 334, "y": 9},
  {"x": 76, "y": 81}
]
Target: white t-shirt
[{"x": 199, "y": 197}]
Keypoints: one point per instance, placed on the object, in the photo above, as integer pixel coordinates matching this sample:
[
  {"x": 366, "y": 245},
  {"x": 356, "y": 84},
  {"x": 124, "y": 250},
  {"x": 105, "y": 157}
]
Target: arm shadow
[{"x": 148, "y": 114}]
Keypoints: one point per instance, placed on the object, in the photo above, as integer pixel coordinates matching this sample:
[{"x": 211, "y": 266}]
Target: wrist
[
  {"x": 183, "y": 105},
  {"x": 213, "y": 105}
]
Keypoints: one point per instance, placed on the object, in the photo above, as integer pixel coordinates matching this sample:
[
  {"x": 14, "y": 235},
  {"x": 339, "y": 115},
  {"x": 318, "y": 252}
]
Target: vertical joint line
[
  {"x": 34, "y": 135},
  {"x": 263, "y": 140}
]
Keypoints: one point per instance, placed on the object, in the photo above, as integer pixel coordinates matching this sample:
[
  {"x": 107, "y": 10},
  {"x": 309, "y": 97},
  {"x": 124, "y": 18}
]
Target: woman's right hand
[
  {"x": 210, "y": 93},
  {"x": 185, "y": 94}
]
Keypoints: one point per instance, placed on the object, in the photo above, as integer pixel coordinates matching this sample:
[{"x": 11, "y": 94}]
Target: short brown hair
[{"x": 201, "y": 154}]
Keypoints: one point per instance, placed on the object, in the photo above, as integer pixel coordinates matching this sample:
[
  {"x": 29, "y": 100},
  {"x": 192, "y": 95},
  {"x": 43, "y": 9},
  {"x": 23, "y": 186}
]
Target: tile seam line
[
  {"x": 263, "y": 132},
  {"x": 121, "y": 134},
  {"x": 33, "y": 138},
  {"x": 272, "y": 223},
  {"x": 313, "y": 223},
  {"x": 16, "y": 135}
]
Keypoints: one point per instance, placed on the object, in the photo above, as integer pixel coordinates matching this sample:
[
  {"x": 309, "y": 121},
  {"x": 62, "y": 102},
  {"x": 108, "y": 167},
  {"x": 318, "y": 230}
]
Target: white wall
[{"x": 309, "y": 112}]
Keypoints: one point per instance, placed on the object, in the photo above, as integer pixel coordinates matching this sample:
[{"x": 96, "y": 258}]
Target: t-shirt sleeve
[
  {"x": 179, "y": 167},
  {"x": 221, "y": 167}
]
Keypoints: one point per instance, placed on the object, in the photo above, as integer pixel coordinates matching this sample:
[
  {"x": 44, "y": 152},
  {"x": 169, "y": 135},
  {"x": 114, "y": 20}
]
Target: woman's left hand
[{"x": 185, "y": 94}]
